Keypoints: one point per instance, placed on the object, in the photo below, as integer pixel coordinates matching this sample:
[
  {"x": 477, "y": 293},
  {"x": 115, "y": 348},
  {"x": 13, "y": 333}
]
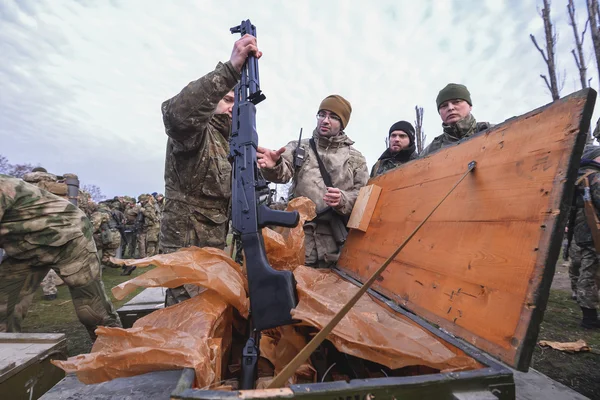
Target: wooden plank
[
  {"x": 364, "y": 207},
  {"x": 481, "y": 267}
]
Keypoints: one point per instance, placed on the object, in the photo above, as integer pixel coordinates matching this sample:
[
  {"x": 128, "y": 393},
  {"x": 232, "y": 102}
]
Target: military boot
[{"x": 590, "y": 318}]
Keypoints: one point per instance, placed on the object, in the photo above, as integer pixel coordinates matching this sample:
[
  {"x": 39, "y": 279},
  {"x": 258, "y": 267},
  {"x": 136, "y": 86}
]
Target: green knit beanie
[{"x": 453, "y": 91}]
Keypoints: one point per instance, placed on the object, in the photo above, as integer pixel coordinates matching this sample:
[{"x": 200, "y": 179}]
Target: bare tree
[
  {"x": 578, "y": 56},
  {"x": 419, "y": 132},
  {"x": 94, "y": 191},
  {"x": 4, "y": 164},
  {"x": 548, "y": 56},
  {"x": 18, "y": 170},
  {"x": 594, "y": 20}
]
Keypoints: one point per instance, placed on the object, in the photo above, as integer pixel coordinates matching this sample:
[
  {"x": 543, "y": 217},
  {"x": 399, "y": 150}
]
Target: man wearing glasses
[{"x": 346, "y": 167}]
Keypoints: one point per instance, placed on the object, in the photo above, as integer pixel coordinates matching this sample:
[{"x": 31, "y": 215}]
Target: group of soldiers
[
  {"x": 124, "y": 228},
  {"x": 195, "y": 210}
]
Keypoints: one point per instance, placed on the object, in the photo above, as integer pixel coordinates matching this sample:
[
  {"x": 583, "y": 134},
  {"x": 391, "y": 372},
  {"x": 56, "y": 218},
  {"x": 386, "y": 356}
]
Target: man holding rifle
[
  {"x": 197, "y": 169},
  {"x": 331, "y": 175}
]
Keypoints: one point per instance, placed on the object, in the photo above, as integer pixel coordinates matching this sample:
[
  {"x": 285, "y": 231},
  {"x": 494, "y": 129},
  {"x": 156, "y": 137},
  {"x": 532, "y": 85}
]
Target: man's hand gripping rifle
[{"x": 272, "y": 293}]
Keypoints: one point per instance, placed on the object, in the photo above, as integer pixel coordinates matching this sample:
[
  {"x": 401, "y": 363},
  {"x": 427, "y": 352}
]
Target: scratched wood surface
[{"x": 482, "y": 266}]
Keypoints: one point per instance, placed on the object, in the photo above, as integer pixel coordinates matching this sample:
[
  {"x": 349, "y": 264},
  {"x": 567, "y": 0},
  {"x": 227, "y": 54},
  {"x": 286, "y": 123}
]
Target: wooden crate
[{"x": 25, "y": 368}]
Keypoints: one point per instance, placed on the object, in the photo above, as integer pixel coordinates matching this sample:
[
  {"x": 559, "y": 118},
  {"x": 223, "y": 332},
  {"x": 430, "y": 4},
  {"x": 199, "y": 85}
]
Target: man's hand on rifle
[
  {"x": 268, "y": 158},
  {"x": 241, "y": 49},
  {"x": 333, "y": 197}
]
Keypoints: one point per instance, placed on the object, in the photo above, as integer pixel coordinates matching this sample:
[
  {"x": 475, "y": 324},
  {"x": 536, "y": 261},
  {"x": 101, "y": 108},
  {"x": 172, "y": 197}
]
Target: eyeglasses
[{"x": 332, "y": 117}]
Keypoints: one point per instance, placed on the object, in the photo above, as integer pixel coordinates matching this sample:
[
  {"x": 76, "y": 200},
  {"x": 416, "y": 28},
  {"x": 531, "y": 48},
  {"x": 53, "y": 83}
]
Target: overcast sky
[{"x": 82, "y": 81}]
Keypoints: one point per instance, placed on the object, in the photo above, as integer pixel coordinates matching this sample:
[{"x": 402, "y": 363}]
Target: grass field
[{"x": 59, "y": 315}]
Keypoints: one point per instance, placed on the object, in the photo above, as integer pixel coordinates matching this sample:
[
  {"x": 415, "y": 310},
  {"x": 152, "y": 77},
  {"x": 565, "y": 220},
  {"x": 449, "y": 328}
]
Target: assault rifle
[{"x": 272, "y": 293}]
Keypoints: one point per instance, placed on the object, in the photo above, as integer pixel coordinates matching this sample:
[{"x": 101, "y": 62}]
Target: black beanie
[
  {"x": 453, "y": 91},
  {"x": 406, "y": 127}
]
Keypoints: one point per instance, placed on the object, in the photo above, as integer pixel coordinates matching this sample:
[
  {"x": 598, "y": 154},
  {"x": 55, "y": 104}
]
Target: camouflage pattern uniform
[
  {"x": 453, "y": 133},
  {"x": 574, "y": 266},
  {"x": 40, "y": 231},
  {"x": 106, "y": 234},
  {"x": 587, "y": 284},
  {"x": 150, "y": 229},
  {"x": 131, "y": 212},
  {"x": 55, "y": 185},
  {"x": 197, "y": 169},
  {"x": 349, "y": 172},
  {"x": 389, "y": 160}
]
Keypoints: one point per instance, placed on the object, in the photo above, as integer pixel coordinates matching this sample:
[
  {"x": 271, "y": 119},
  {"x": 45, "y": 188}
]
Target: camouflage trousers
[
  {"x": 129, "y": 243},
  {"x": 51, "y": 280},
  {"x": 201, "y": 233},
  {"x": 141, "y": 244},
  {"x": 152, "y": 241},
  {"x": 78, "y": 267},
  {"x": 587, "y": 284},
  {"x": 321, "y": 250},
  {"x": 574, "y": 265}
]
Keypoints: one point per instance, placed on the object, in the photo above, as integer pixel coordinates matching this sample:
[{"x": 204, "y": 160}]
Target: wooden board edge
[{"x": 524, "y": 351}]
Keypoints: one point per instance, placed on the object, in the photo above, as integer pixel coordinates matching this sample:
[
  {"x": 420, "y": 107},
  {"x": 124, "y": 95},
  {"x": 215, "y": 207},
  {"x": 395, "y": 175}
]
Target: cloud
[{"x": 83, "y": 81}]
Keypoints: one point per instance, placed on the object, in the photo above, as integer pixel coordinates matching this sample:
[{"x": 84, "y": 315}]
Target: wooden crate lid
[{"x": 482, "y": 266}]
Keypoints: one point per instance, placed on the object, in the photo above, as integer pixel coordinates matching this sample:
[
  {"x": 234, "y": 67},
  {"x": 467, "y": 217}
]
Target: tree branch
[
  {"x": 538, "y": 47},
  {"x": 547, "y": 83}
]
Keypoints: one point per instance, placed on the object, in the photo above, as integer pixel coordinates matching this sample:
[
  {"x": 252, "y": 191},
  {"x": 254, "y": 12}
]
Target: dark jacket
[{"x": 389, "y": 160}]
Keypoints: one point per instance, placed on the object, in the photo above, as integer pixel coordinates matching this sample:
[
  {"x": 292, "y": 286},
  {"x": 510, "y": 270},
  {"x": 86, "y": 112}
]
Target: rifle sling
[
  {"x": 324, "y": 173},
  {"x": 328, "y": 183}
]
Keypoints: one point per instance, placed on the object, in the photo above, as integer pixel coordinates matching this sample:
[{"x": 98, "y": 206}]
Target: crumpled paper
[
  {"x": 207, "y": 267},
  {"x": 188, "y": 334},
  {"x": 285, "y": 246},
  {"x": 569, "y": 347},
  {"x": 280, "y": 346},
  {"x": 370, "y": 330}
]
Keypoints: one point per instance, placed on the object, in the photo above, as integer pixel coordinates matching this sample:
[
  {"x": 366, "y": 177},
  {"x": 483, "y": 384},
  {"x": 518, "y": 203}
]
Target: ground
[
  {"x": 561, "y": 323},
  {"x": 59, "y": 315}
]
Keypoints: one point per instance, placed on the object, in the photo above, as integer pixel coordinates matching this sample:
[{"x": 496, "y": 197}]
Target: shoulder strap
[
  {"x": 324, "y": 173},
  {"x": 584, "y": 176}
]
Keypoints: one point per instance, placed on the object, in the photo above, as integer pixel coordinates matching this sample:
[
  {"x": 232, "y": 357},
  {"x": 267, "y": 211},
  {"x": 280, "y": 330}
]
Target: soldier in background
[
  {"x": 587, "y": 282},
  {"x": 401, "y": 148},
  {"x": 140, "y": 225},
  {"x": 106, "y": 233},
  {"x": 151, "y": 226},
  {"x": 130, "y": 231},
  {"x": 57, "y": 236},
  {"x": 454, "y": 106},
  {"x": 56, "y": 185}
]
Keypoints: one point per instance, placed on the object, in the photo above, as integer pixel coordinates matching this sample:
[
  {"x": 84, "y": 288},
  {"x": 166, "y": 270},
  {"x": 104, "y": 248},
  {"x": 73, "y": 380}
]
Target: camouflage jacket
[
  {"x": 346, "y": 165},
  {"x": 389, "y": 161},
  {"x": 35, "y": 225},
  {"x": 197, "y": 169},
  {"x": 454, "y": 133},
  {"x": 349, "y": 172},
  {"x": 151, "y": 220},
  {"x": 582, "y": 233}
]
